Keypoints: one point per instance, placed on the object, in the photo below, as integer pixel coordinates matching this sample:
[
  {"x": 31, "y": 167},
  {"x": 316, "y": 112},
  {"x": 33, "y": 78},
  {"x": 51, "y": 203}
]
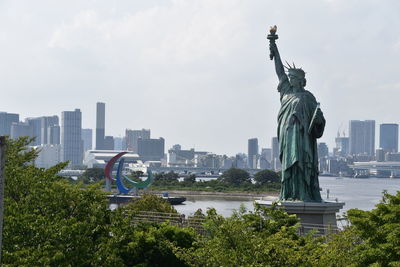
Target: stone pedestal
[{"x": 320, "y": 216}]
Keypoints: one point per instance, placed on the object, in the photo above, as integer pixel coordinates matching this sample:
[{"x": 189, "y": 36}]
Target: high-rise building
[
  {"x": 132, "y": 137},
  {"x": 71, "y": 137},
  {"x": 342, "y": 146},
  {"x": 323, "y": 150},
  {"x": 53, "y": 135},
  {"x": 362, "y": 137},
  {"x": 275, "y": 162},
  {"x": 49, "y": 155},
  {"x": 118, "y": 143},
  {"x": 266, "y": 153},
  {"x": 6, "y": 120},
  {"x": 108, "y": 143},
  {"x": 20, "y": 129},
  {"x": 275, "y": 147},
  {"x": 46, "y": 123},
  {"x": 36, "y": 126},
  {"x": 151, "y": 149},
  {"x": 389, "y": 137},
  {"x": 252, "y": 153},
  {"x": 100, "y": 125},
  {"x": 87, "y": 138}
]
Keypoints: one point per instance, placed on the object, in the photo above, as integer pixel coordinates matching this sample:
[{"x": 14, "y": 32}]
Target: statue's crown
[{"x": 295, "y": 71}]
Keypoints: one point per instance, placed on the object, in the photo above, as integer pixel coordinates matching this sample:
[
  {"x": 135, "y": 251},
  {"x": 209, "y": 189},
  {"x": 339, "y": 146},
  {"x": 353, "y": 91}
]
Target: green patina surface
[{"x": 300, "y": 123}]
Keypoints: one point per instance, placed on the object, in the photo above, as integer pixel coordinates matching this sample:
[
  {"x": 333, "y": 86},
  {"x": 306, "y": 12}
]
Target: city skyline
[{"x": 195, "y": 73}]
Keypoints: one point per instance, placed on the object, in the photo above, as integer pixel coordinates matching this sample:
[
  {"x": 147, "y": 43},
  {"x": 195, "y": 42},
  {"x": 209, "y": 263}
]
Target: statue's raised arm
[{"x": 274, "y": 53}]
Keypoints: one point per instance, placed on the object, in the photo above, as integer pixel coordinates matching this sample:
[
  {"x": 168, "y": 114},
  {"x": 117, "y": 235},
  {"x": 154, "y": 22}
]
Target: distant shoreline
[{"x": 233, "y": 195}]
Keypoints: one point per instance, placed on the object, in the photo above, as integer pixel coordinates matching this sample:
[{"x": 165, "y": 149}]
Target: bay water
[{"x": 356, "y": 193}]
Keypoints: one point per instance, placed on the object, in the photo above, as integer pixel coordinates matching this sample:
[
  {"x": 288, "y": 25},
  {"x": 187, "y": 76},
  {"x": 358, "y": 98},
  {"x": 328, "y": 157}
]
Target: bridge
[{"x": 385, "y": 168}]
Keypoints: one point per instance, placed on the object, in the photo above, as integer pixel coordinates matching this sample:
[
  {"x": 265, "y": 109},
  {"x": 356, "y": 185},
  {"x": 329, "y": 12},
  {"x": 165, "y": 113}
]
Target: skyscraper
[
  {"x": 252, "y": 153},
  {"x": 87, "y": 138},
  {"x": 275, "y": 147},
  {"x": 323, "y": 150},
  {"x": 362, "y": 137},
  {"x": 275, "y": 162},
  {"x": 20, "y": 129},
  {"x": 46, "y": 123},
  {"x": 108, "y": 143},
  {"x": 6, "y": 119},
  {"x": 53, "y": 135},
  {"x": 151, "y": 149},
  {"x": 100, "y": 124},
  {"x": 71, "y": 137},
  {"x": 342, "y": 146},
  {"x": 36, "y": 126},
  {"x": 132, "y": 136},
  {"x": 389, "y": 137}
]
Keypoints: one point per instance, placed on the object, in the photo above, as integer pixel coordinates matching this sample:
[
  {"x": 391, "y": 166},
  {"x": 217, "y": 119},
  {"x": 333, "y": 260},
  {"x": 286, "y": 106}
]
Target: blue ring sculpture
[{"x": 119, "y": 176}]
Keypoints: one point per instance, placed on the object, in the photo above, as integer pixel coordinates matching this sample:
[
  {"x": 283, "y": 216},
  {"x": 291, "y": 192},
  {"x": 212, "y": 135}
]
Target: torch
[{"x": 272, "y": 36}]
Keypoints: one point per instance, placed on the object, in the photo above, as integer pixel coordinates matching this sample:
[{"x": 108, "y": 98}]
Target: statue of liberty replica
[{"x": 300, "y": 123}]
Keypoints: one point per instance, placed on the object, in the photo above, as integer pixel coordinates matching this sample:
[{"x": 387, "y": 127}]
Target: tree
[
  {"x": 190, "y": 178},
  {"x": 149, "y": 202},
  {"x": 143, "y": 244},
  {"x": 265, "y": 237},
  {"x": 93, "y": 175},
  {"x": 266, "y": 176},
  {"x": 47, "y": 220},
  {"x": 379, "y": 230},
  {"x": 235, "y": 176}
]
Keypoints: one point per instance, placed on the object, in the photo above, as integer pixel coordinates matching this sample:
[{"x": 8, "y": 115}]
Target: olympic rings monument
[{"x": 120, "y": 177}]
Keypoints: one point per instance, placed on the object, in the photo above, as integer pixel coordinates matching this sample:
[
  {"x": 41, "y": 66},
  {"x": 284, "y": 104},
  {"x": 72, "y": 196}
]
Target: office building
[
  {"x": 323, "y": 150},
  {"x": 53, "y": 135},
  {"x": 6, "y": 120},
  {"x": 342, "y": 148},
  {"x": 266, "y": 153},
  {"x": 265, "y": 158},
  {"x": 151, "y": 149},
  {"x": 252, "y": 153},
  {"x": 87, "y": 138},
  {"x": 132, "y": 137},
  {"x": 100, "y": 124},
  {"x": 45, "y": 124},
  {"x": 362, "y": 137},
  {"x": 380, "y": 155},
  {"x": 118, "y": 143},
  {"x": 389, "y": 137},
  {"x": 20, "y": 129},
  {"x": 36, "y": 128},
  {"x": 71, "y": 137},
  {"x": 108, "y": 143},
  {"x": 275, "y": 161},
  {"x": 49, "y": 155}
]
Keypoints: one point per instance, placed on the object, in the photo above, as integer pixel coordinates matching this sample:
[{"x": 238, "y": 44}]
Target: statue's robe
[{"x": 299, "y": 125}]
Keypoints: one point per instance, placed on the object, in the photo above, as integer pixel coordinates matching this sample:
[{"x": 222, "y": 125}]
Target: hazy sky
[{"x": 197, "y": 72}]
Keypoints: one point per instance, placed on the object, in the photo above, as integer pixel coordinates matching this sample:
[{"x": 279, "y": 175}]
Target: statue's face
[{"x": 295, "y": 81}]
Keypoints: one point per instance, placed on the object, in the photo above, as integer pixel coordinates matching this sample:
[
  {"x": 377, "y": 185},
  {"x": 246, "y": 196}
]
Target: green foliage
[
  {"x": 93, "y": 175},
  {"x": 379, "y": 230},
  {"x": 150, "y": 202},
  {"x": 235, "y": 176},
  {"x": 143, "y": 244},
  {"x": 190, "y": 179},
  {"x": 265, "y": 237},
  {"x": 50, "y": 222},
  {"x": 166, "y": 178},
  {"x": 46, "y": 220},
  {"x": 266, "y": 176}
]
